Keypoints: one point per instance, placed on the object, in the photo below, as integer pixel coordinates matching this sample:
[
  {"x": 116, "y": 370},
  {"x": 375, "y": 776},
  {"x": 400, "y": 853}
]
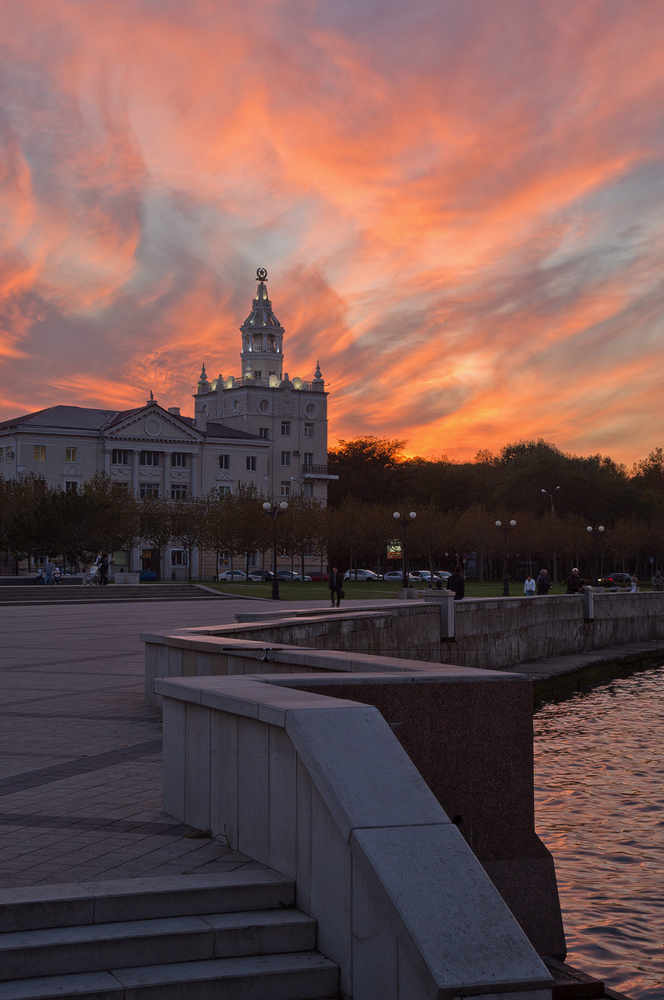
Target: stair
[
  {"x": 230, "y": 936},
  {"x": 111, "y": 594}
]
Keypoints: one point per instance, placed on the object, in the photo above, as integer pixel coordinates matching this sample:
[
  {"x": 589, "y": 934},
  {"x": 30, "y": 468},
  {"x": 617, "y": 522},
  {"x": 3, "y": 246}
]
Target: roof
[
  {"x": 71, "y": 417},
  {"x": 220, "y": 430}
]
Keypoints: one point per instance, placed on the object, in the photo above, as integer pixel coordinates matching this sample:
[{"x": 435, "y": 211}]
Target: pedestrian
[
  {"x": 48, "y": 568},
  {"x": 336, "y": 585},
  {"x": 574, "y": 582},
  {"x": 57, "y": 575},
  {"x": 658, "y": 581},
  {"x": 103, "y": 570},
  {"x": 634, "y": 581},
  {"x": 529, "y": 586},
  {"x": 542, "y": 584},
  {"x": 457, "y": 583}
]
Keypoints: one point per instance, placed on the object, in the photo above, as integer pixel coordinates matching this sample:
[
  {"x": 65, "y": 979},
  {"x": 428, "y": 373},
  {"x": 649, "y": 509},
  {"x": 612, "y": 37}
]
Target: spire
[
  {"x": 203, "y": 384},
  {"x": 318, "y": 377},
  {"x": 262, "y": 335}
]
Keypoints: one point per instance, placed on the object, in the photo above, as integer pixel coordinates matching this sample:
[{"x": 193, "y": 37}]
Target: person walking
[
  {"x": 634, "y": 580},
  {"x": 574, "y": 582},
  {"x": 48, "y": 569},
  {"x": 102, "y": 579},
  {"x": 542, "y": 584},
  {"x": 457, "y": 583},
  {"x": 529, "y": 586},
  {"x": 658, "y": 581},
  {"x": 336, "y": 585}
]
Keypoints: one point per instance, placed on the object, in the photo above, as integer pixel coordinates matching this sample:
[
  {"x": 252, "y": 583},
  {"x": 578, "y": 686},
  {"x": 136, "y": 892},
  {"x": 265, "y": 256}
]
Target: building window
[
  {"x": 178, "y": 557},
  {"x": 224, "y": 461},
  {"x": 307, "y": 489},
  {"x": 264, "y": 432},
  {"x": 149, "y": 458},
  {"x": 179, "y": 460},
  {"x": 224, "y": 491},
  {"x": 308, "y": 458},
  {"x": 251, "y": 463},
  {"x": 285, "y": 458},
  {"x": 70, "y": 454},
  {"x": 258, "y": 373},
  {"x": 40, "y": 453},
  {"x": 309, "y": 430},
  {"x": 178, "y": 492},
  {"x": 148, "y": 490},
  {"x": 119, "y": 457},
  {"x": 71, "y": 486},
  {"x": 285, "y": 428},
  {"x": 264, "y": 406},
  {"x": 285, "y": 489}
]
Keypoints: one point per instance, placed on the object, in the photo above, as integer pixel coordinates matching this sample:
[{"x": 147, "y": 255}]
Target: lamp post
[
  {"x": 273, "y": 510},
  {"x": 596, "y": 534},
  {"x": 553, "y": 531},
  {"x": 505, "y": 528},
  {"x": 404, "y": 522}
]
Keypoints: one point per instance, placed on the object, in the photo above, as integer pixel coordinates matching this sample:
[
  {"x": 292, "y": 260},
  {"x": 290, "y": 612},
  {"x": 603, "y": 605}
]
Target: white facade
[{"x": 260, "y": 429}]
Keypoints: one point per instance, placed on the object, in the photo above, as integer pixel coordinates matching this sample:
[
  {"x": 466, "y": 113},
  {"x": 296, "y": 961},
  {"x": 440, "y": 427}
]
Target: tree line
[{"x": 457, "y": 505}]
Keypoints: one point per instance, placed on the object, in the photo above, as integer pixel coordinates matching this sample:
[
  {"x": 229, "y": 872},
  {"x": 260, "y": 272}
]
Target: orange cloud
[{"x": 459, "y": 206}]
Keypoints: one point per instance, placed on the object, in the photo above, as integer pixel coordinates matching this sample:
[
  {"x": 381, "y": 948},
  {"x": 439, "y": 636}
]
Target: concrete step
[
  {"x": 134, "y": 943},
  {"x": 109, "y": 594},
  {"x": 299, "y": 976},
  {"x": 67, "y": 905}
]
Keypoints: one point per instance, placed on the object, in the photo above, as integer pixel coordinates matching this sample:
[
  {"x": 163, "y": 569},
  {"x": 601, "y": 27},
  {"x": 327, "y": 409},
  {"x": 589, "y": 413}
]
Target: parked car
[
  {"x": 361, "y": 575},
  {"x": 317, "y": 576},
  {"x": 425, "y": 575},
  {"x": 260, "y": 575},
  {"x": 442, "y": 574},
  {"x": 396, "y": 576},
  {"x": 291, "y": 577},
  {"x": 148, "y": 574},
  {"x": 615, "y": 580},
  {"x": 232, "y": 576}
]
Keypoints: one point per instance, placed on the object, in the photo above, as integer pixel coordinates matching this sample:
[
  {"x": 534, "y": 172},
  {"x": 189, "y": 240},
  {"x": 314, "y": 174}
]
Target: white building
[{"x": 260, "y": 428}]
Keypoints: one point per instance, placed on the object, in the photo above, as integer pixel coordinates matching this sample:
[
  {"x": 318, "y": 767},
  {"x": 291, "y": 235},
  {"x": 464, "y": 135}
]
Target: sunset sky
[{"x": 460, "y": 204}]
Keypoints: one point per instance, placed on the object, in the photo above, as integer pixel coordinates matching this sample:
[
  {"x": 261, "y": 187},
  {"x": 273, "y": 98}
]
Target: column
[
  {"x": 167, "y": 474},
  {"x": 107, "y": 461},
  {"x": 134, "y": 470},
  {"x": 194, "y": 475}
]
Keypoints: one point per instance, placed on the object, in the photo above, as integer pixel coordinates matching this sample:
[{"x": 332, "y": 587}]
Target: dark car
[{"x": 615, "y": 580}]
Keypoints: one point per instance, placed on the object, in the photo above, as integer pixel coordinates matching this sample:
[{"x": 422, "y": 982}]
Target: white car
[
  {"x": 232, "y": 576},
  {"x": 396, "y": 576},
  {"x": 361, "y": 575}
]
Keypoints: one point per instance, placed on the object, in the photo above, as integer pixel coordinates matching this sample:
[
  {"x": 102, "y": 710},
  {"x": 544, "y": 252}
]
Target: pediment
[{"x": 153, "y": 424}]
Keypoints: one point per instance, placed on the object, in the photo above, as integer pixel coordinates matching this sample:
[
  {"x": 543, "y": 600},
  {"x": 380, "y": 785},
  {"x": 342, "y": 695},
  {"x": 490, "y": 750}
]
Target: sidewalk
[{"x": 80, "y": 753}]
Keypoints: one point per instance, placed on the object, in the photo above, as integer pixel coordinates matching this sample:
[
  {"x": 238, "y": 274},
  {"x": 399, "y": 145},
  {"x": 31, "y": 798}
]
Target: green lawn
[{"x": 363, "y": 591}]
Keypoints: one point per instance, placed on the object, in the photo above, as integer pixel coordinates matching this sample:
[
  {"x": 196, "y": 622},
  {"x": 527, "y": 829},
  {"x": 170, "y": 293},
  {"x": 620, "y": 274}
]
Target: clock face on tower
[{"x": 261, "y": 274}]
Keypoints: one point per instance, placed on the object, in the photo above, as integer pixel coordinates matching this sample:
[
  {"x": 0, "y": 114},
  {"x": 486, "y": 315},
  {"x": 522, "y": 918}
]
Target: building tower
[{"x": 262, "y": 338}]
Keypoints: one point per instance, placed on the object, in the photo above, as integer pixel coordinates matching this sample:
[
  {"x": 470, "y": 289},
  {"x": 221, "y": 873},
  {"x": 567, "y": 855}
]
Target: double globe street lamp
[
  {"x": 273, "y": 510},
  {"x": 404, "y": 522},
  {"x": 505, "y": 528},
  {"x": 596, "y": 533}
]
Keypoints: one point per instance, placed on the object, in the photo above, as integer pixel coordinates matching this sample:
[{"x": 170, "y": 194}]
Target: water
[{"x": 599, "y": 798}]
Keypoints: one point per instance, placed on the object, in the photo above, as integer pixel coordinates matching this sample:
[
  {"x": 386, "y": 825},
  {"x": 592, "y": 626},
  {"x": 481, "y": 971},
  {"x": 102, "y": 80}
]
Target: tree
[{"x": 369, "y": 468}]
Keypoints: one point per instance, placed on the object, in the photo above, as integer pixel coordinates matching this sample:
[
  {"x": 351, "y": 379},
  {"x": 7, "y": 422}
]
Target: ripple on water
[{"x": 599, "y": 800}]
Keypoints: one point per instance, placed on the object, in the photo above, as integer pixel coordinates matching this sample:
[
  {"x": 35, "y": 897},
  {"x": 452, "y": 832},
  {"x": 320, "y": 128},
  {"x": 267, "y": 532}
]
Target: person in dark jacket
[
  {"x": 574, "y": 582},
  {"x": 457, "y": 583},
  {"x": 543, "y": 584},
  {"x": 336, "y": 585}
]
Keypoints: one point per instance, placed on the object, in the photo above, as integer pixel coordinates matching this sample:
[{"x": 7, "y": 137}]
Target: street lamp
[
  {"x": 404, "y": 522},
  {"x": 596, "y": 534},
  {"x": 553, "y": 531},
  {"x": 273, "y": 510},
  {"x": 505, "y": 528}
]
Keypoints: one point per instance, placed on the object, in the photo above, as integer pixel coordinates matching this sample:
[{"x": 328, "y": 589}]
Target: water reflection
[{"x": 599, "y": 793}]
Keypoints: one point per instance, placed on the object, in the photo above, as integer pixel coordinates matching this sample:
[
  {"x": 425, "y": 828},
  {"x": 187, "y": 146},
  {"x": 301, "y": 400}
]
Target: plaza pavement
[{"x": 80, "y": 753}]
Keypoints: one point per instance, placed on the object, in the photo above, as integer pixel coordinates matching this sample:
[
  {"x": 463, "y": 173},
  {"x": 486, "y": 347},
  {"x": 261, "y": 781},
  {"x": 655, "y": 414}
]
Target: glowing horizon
[{"x": 459, "y": 205}]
